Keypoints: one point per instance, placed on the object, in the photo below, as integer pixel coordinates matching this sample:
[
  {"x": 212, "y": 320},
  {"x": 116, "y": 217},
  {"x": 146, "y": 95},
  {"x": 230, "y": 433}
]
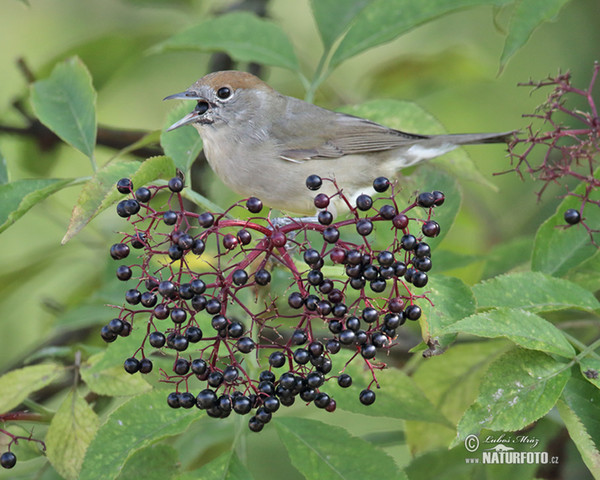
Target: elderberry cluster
[{"x": 203, "y": 290}]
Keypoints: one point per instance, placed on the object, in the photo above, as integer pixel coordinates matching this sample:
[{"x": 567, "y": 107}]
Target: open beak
[{"x": 190, "y": 117}]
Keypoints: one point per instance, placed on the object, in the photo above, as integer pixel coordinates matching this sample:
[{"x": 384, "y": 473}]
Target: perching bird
[{"x": 265, "y": 144}]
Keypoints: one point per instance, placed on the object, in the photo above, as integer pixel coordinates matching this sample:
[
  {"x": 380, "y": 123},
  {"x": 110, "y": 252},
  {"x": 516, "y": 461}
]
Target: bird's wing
[{"x": 334, "y": 135}]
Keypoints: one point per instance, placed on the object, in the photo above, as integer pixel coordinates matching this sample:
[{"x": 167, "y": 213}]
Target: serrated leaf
[
  {"x": 519, "y": 387},
  {"x": 66, "y": 103},
  {"x": 533, "y": 291},
  {"x": 579, "y": 408},
  {"x": 136, "y": 424},
  {"x": 558, "y": 249},
  {"x": 17, "y": 385},
  {"x": 527, "y": 16},
  {"x": 3, "y": 170},
  {"x": 590, "y": 369},
  {"x": 112, "y": 381},
  {"x": 314, "y": 449},
  {"x": 452, "y": 300},
  {"x": 520, "y": 326},
  {"x": 100, "y": 192},
  {"x": 334, "y": 16},
  {"x": 243, "y": 36},
  {"x": 451, "y": 383},
  {"x": 70, "y": 432},
  {"x": 16, "y": 198},
  {"x": 398, "y": 397},
  {"x": 410, "y": 117},
  {"x": 184, "y": 144},
  {"x": 156, "y": 462},
  {"x": 383, "y": 20},
  {"x": 225, "y": 467}
]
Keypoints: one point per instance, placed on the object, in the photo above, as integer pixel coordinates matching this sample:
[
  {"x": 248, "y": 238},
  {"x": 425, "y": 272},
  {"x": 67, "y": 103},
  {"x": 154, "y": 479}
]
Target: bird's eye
[
  {"x": 202, "y": 107},
  {"x": 223, "y": 93}
]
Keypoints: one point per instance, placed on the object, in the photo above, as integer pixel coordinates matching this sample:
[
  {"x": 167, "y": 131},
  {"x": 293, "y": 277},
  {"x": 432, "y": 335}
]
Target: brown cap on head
[{"x": 233, "y": 79}]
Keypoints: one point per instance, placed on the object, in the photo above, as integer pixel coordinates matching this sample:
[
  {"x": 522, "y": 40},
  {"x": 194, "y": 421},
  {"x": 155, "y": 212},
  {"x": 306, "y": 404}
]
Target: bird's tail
[{"x": 475, "y": 138}]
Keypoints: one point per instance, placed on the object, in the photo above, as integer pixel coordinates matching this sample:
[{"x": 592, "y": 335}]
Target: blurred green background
[{"x": 449, "y": 66}]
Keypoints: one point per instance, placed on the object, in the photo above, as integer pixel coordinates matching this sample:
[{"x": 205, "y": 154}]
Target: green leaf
[
  {"x": 558, "y": 249},
  {"x": 156, "y": 462},
  {"x": 451, "y": 383},
  {"x": 398, "y": 397},
  {"x": 383, "y": 20},
  {"x": 69, "y": 435},
  {"x": 334, "y": 16},
  {"x": 243, "y": 36},
  {"x": 527, "y": 16},
  {"x": 136, "y": 424},
  {"x": 112, "y": 381},
  {"x": 184, "y": 144},
  {"x": 100, "y": 192},
  {"x": 225, "y": 467},
  {"x": 590, "y": 369},
  {"x": 518, "y": 388},
  {"x": 17, "y": 385},
  {"x": 520, "y": 326},
  {"x": 66, "y": 103},
  {"x": 316, "y": 451},
  {"x": 579, "y": 408},
  {"x": 533, "y": 291},
  {"x": 410, "y": 117},
  {"x": 16, "y": 198},
  {"x": 3, "y": 170},
  {"x": 452, "y": 300}
]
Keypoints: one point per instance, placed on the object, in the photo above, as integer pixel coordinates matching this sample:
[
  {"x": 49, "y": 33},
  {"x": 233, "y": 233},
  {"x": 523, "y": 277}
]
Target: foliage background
[{"x": 53, "y": 295}]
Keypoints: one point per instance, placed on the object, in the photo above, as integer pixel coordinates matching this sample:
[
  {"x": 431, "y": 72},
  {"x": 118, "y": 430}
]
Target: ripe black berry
[
  {"x": 131, "y": 365},
  {"x": 388, "y": 212},
  {"x": 156, "y": 339},
  {"x": 173, "y": 400},
  {"x": 206, "y": 220},
  {"x": 322, "y": 400},
  {"x": 370, "y": 315},
  {"x": 169, "y": 217},
  {"x": 143, "y": 195},
  {"x": 438, "y": 198},
  {"x": 295, "y": 300},
  {"x": 119, "y": 251},
  {"x": 301, "y": 356},
  {"x": 124, "y": 185},
  {"x": 206, "y": 399},
  {"x": 367, "y": 397},
  {"x": 347, "y": 337},
  {"x": 381, "y": 184},
  {"x": 198, "y": 247},
  {"x": 240, "y": 277},
  {"x": 277, "y": 359},
  {"x": 262, "y": 277},
  {"x": 255, "y": 425},
  {"x": 230, "y": 374},
  {"x": 180, "y": 343},
  {"x": 145, "y": 365},
  {"x": 408, "y": 242},
  {"x": 344, "y": 380},
  {"x": 8, "y": 460},
  {"x": 331, "y": 234},
  {"x": 419, "y": 279},
  {"x": 213, "y": 306},
  {"x": 368, "y": 350},
  {"x": 321, "y": 201},
  {"x": 364, "y": 202},
  {"x": 572, "y": 216},
  {"x": 126, "y": 208},
  {"x": 314, "y": 182},
  {"x": 325, "y": 217},
  {"x": 413, "y": 312},
  {"x": 241, "y": 404},
  {"x": 299, "y": 337},
  {"x": 364, "y": 227},
  {"x": 176, "y": 184},
  {"x": 254, "y": 205},
  {"x": 107, "y": 335},
  {"x": 431, "y": 229},
  {"x": 199, "y": 366},
  {"x": 148, "y": 299},
  {"x": 400, "y": 221},
  {"x": 245, "y": 345},
  {"x": 187, "y": 400},
  {"x": 426, "y": 200},
  {"x": 215, "y": 378}
]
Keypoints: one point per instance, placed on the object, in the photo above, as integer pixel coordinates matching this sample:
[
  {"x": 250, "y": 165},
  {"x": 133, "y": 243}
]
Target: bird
[{"x": 264, "y": 144}]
